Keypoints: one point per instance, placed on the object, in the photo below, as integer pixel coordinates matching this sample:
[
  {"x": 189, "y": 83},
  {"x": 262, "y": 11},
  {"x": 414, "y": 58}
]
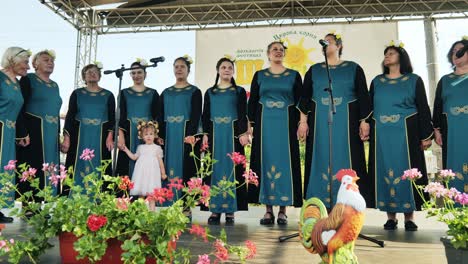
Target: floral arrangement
[
  {"x": 396, "y": 43},
  {"x": 188, "y": 58},
  {"x": 96, "y": 214},
  {"x": 51, "y": 53},
  {"x": 142, "y": 62},
  {"x": 334, "y": 33},
  {"x": 454, "y": 211},
  {"x": 284, "y": 42},
  {"x": 465, "y": 37},
  {"x": 229, "y": 57},
  {"x": 98, "y": 64}
]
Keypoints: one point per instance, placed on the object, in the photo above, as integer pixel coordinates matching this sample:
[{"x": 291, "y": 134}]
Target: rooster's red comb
[{"x": 341, "y": 173}]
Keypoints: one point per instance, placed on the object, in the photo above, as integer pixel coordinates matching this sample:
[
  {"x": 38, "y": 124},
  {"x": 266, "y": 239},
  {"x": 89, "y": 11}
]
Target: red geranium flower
[{"x": 95, "y": 222}]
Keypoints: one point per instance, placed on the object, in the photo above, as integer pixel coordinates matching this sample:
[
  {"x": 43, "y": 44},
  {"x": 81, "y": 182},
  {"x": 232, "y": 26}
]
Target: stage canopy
[{"x": 92, "y": 18}]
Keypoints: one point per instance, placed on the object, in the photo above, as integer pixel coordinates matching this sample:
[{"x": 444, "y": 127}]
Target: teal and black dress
[
  {"x": 352, "y": 104},
  {"x": 401, "y": 120},
  {"x": 90, "y": 117},
  {"x": 134, "y": 107},
  {"x": 179, "y": 117},
  {"x": 224, "y": 121},
  {"x": 273, "y": 113},
  {"x": 41, "y": 121},
  {"x": 451, "y": 117},
  {"x": 11, "y": 102}
]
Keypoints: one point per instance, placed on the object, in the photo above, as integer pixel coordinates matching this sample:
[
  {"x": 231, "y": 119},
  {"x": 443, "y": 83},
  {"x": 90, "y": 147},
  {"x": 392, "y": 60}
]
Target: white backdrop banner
[{"x": 363, "y": 43}]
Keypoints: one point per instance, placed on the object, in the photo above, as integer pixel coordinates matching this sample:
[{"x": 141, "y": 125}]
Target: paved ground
[{"x": 422, "y": 246}]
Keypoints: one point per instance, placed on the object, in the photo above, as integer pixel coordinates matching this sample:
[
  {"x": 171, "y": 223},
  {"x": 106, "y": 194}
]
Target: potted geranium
[
  {"x": 93, "y": 221},
  {"x": 449, "y": 206}
]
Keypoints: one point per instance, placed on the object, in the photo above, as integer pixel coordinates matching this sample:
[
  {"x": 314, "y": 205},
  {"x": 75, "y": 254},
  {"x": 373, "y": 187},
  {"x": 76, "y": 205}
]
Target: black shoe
[
  {"x": 267, "y": 220},
  {"x": 214, "y": 219},
  {"x": 5, "y": 219},
  {"x": 230, "y": 219},
  {"x": 391, "y": 224},
  {"x": 282, "y": 220},
  {"x": 410, "y": 226}
]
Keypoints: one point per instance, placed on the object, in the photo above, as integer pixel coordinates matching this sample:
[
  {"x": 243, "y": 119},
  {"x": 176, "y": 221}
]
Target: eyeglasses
[{"x": 92, "y": 72}]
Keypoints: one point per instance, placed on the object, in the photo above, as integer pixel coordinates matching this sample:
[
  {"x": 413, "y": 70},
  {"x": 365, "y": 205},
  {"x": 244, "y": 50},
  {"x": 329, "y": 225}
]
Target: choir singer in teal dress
[
  {"x": 88, "y": 125},
  {"x": 41, "y": 119},
  {"x": 277, "y": 125},
  {"x": 349, "y": 128},
  {"x": 137, "y": 103},
  {"x": 401, "y": 131},
  {"x": 15, "y": 62},
  {"x": 225, "y": 127},
  {"x": 179, "y": 116},
  {"x": 451, "y": 116}
]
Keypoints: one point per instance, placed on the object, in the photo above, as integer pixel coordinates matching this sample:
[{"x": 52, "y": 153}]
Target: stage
[{"x": 422, "y": 246}]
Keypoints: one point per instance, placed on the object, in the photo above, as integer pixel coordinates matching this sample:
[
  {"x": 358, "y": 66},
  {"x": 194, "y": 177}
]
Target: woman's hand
[
  {"x": 65, "y": 146},
  {"x": 244, "y": 139},
  {"x": 302, "y": 131},
  {"x": 438, "y": 137},
  {"x": 425, "y": 144},
  {"x": 109, "y": 142},
  {"x": 364, "y": 130}
]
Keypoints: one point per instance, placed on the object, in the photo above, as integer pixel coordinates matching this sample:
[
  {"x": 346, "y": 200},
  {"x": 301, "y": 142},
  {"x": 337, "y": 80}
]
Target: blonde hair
[
  {"x": 143, "y": 125},
  {"x": 40, "y": 53},
  {"x": 13, "y": 56}
]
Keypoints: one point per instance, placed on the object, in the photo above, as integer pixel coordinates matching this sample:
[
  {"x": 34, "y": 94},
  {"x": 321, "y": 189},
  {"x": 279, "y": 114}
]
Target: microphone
[
  {"x": 157, "y": 59},
  {"x": 324, "y": 43},
  {"x": 108, "y": 72},
  {"x": 461, "y": 52}
]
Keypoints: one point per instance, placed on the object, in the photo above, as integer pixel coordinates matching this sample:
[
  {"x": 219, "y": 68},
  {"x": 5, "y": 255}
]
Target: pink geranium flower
[
  {"x": 221, "y": 251},
  {"x": 411, "y": 174},
  {"x": 203, "y": 259},
  {"x": 252, "y": 249},
  {"x": 10, "y": 166},
  {"x": 175, "y": 183},
  {"x": 199, "y": 231},
  {"x": 88, "y": 154},
  {"x": 251, "y": 177},
  {"x": 237, "y": 158}
]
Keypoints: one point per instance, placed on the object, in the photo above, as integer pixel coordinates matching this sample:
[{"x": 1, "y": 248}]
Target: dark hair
[
  {"x": 339, "y": 41},
  {"x": 450, "y": 52},
  {"x": 276, "y": 42},
  {"x": 137, "y": 65},
  {"x": 220, "y": 61},
  {"x": 405, "y": 62},
  {"x": 86, "y": 68},
  {"x": 185, "y": 60}
]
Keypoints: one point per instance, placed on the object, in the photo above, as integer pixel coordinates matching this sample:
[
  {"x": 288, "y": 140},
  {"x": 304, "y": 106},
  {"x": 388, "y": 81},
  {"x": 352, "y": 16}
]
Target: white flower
[
  {"x": 98, "y": 64},
  {"x": 51, "y": 53},
  {"x": 142, "y": 62},
  {"x": 188, "y": 58}
]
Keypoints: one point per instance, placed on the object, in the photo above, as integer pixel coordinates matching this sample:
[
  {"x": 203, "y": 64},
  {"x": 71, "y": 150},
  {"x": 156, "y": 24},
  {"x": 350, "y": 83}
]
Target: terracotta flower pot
[{"x": 112, "y": 255}]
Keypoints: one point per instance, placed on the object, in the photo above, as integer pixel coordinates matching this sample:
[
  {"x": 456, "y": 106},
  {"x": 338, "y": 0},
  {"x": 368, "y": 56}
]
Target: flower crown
[
  {"x": 336, "y": 34},
  {"x": 142, "y": 62},
  {"x": 188, "y": 58},
  {"x": 229, "y": 57},
  {"x": 98, "y": 64},
  {"x": 51, "y": 53},
  {"x": 143, "y": 124},
  {"x": 284, "y": 42},
  {"x": 396, "y": 43},
  {"x": 465, "y": 37}
]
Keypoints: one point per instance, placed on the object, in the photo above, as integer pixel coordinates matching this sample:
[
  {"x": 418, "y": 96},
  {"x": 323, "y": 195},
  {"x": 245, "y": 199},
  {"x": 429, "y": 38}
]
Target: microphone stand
[
  {"x": 331, "y": 112},
  {"x": 119, "y": 73}
]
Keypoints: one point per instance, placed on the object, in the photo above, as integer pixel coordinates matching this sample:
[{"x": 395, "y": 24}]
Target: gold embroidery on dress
[
  {"x": 10, "y": 123},
  {"x": 51, "y": 119},
  {"x": 136, "y": 120},
  {"x": 92, "y": 121},
  {"x": 456, "y": 110},
  {"x": 275, "y": 104},
  {"x": 273, "y": 176},
  {"x": 465, "y": 168},
  {"x": 221, "y": 120},
  {"x": 336, "y": 100},
  {"x": 175, "y": 119},
  {"x": 390, "y": 118}
]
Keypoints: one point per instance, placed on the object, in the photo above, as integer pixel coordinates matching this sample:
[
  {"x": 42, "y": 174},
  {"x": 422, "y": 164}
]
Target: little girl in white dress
[{"x": 149, "y": 166}]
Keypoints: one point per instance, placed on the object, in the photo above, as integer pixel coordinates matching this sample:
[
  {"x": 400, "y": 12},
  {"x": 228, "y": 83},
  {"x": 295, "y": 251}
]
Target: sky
[{"x": 31, "y": 25}]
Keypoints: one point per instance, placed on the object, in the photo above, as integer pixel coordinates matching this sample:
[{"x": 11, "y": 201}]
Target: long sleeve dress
[
  {"x": 134, "y": 107},
  {"x": 401, "y": 120},
  {"x": 224, "y": 121},
  {"x": 41, "y": 121},
  {"x": 11, "y": 102},
  {"x": 451, "y": 117},
  {"x": 351, "y": 99},
  {"x": 273, "y": 113},
  {"x": 90, "y": 117},
  {"x": 179, "y": 117}
]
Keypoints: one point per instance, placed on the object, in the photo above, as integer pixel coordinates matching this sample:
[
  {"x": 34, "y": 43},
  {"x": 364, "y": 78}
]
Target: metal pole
[{"x": 431, "y": 57}]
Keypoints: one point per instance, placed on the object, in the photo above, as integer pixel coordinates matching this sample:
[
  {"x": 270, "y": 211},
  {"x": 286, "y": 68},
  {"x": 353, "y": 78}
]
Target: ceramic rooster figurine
[{"x": 332, "y": 236}]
